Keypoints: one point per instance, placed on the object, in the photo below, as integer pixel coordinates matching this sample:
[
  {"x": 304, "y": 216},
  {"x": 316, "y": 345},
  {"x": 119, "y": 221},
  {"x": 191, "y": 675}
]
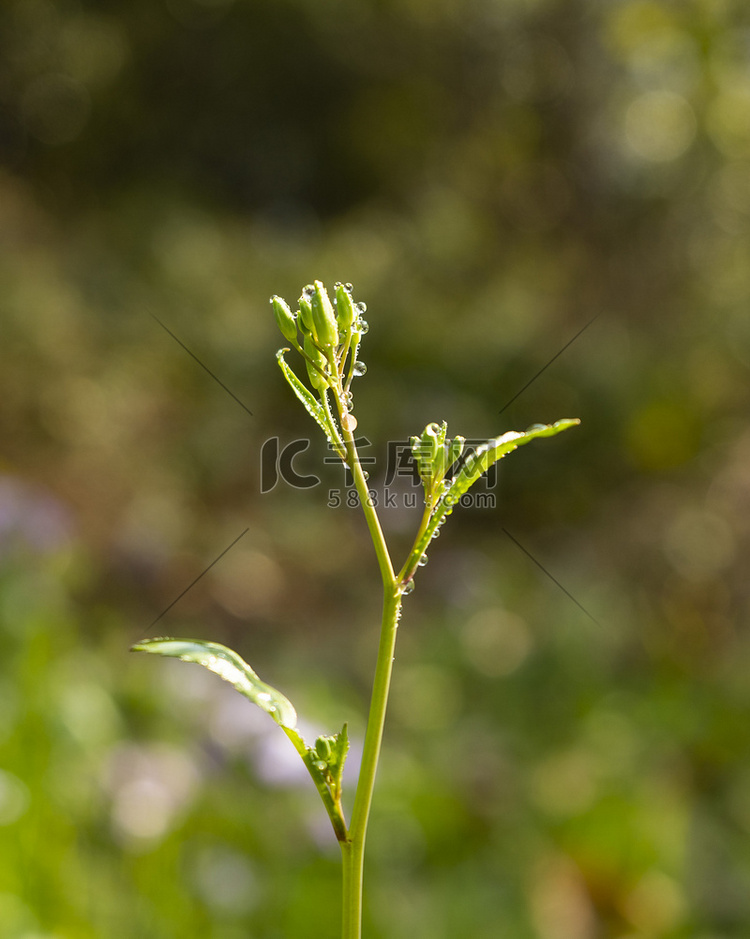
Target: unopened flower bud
[
  {"x": 306, "y": 315},
  {"x": 324, "y": 317},
  {"x": 344, "y": 307},
  {"x": 284, "y": 318},
  {"x": 323, "y": 748},
  {"x": 456, "y": 449},
  {"x": 316, "y": 379},
  {"x": 428, "y": 450}
]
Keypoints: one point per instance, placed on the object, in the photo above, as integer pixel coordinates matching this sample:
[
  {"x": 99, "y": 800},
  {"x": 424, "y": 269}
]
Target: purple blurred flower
[{"x": 31, "y": 515}]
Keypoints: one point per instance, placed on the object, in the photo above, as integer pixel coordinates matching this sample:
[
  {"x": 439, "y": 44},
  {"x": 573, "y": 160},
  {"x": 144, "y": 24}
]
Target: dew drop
[
  {"x": 362, "y": 326},
  {"x": 349, "y": 400},
  {"x": 349, "y": 421},
  {"x": 348, "y": 287},
  {"x": 359, "y": 369},
  {"x": 361, "y": 308},
  {"x": 365, "y": 474},
  {"x": 308, "y": 291},
  {"x": 422, "y": 561},
  {"x": 407, "y": 588}
]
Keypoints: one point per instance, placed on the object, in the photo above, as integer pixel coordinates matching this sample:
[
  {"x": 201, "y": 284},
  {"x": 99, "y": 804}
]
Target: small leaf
[
  {"x": 340, "y": 748},
  {"x": 232, "y": 668},
  {"x": 326, "y": 773}
]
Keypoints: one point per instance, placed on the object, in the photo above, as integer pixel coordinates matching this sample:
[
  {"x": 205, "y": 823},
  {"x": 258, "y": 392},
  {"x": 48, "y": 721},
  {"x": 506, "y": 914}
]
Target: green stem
[
  {"x": 412, "y": 560},
  {"x": 371, "y": 516},
  {"x": 353, "y": 850}
]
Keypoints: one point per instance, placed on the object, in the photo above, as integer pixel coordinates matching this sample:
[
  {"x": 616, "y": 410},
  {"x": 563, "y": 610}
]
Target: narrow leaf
[
  {"x": 478, "y": 463},
  {"x": 227, "y": 665},
  {"x": 310, "y": 403},
  {"x": 489, "y": 453}
]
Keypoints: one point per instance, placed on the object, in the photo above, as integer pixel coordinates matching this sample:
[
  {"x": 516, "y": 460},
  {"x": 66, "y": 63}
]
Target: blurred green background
[{"x": 491, "y": 175}]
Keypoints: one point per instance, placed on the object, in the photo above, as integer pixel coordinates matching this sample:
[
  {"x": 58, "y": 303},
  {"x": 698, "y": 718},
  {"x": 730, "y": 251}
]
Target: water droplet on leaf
[
  {"x": 407, "y": 588},
  {"x": 359, "y": 369},
  {"x": 422, "y": 561},
  {"x": 363, "y": 326}
]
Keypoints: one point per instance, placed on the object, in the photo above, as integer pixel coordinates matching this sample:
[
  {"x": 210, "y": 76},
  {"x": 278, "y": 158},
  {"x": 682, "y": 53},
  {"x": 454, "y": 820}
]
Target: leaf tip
[{"x": 144, "y": 645}]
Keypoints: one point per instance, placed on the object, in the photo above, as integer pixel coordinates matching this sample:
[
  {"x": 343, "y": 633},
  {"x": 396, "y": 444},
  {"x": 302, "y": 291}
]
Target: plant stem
[
  {"x": 353, "y": 850},
  {"x": 410, "y": 564},
  {"x": 371, "y": 516}
]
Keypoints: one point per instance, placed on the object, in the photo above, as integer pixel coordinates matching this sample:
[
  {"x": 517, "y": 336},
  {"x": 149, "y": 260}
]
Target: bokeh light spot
[
  {"x": 226, "y": 881},
  {"x": 659, "y": 126},
  {"x": 496, "y": 642},
  {"x": 565, "y": 784}
]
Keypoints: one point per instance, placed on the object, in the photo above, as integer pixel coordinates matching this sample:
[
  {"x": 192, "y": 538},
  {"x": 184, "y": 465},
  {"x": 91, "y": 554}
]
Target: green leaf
[
  {"x": 474, "y": 466},
  {"x": 489, "y": 453},
  {"x": 326, "y": 774},
  {"x": 313, "y": 407},
  {"x": 232, "y": 668}
]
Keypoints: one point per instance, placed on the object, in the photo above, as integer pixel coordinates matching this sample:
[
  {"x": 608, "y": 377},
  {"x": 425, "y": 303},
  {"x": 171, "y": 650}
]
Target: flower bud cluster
[
  {"x": 324, "y": 331},
  {"x": 435, "y": 453}
]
